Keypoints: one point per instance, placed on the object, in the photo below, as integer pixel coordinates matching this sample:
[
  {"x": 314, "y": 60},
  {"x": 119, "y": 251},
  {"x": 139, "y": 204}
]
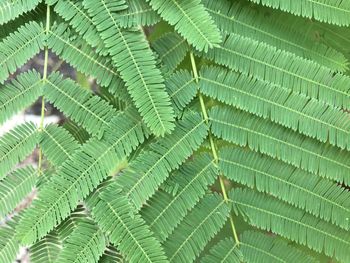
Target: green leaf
[
  {"x": 274, "y": 30},
  {"x": 46, "y": 249},
  {"x": 79, "y": 176},
  {"x": 133, "y": 57},
  {"x": 330, "y": 11},
  {"x": 85, "y": 244},
  {"x": 318, "y": 196},
  {"x": 182, "y": 88},
  {"x": 259, "y": 247},
  {"x": 81, "y": 56},
  {"x": 78, "y": 103},
  {"x": 270, "y": 214},
  {"x": 225, "y": 251},
  {"x": 284, "y": 144},
  {"x": 11, "y": 9},
  {"x": 57, "y": 144},
  {"x": 9, "y": 245},
  {"x": 190, "y": 20},
  {"x": 150, "y": 169},
  {"x": 15, "y": 187},
  {"x": 73, "y": 12},
  {"x": 16, "y": 145},
  {"x": 19, "y": 94},
  {"x": 296, "y": 111},
  {"x": 19, "y": 47},
  {"x": 171, "y": 49},
  {"x": 111, "y": 210},
  {"x": 265, "y": 62},
  {"x": 197, "y": 229},
  {"x": 164, "y": 211},
  {"x": 138, "y": 13}
]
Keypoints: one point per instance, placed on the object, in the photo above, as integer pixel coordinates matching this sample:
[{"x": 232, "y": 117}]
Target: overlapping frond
[
  {"x": 283, "y": 68},
  {"x": 225, "y": 251},
  {"x": 138, "y": 13},
  {"x": 134, "y": 59},
  {"x": 79, "y": 104},
  {"x": 270, "y": 214},
  {"x": 274, "y": 140},
  {"x": 318, "y": 196},
  {"x": 46, "y": 249},
  {"x": 85, "y": 244},
  {"x": 19, "y": 47},
  {"x": 16, "y": 145},
  {"x": 190, "y": 20},
  {"x": 243, "y": 20},
  {"x": 81, "y": 56},
  {"x": 11, "y": 9},
  {"x": 78, "y": 176},
  {"x": 9, "y": 245},
  {"x": 14, "y": 187},
  {"x": 112, "y": 210},
  {"x": 57, "y": 144},
  {"x": 111, "y": 255},
  {"x": 171, "y": 49},
  {"x": 182, "y": 88},
  {"x": 145, "y": 174},
  {"x": 73, "y": 12},
  {"x": 19, "y": 94},
  {"x": 259, "y": 247},
  {"x": 330, "y": 11},
  {"x": 197, "y": 229},
  {"x": 165, "y": 211},
  {"x": 308, "y": 116}
]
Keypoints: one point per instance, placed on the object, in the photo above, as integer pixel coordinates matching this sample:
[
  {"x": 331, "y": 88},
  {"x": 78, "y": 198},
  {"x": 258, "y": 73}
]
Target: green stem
[
  {"x": 44, "y": 79},
  {"x": 212, "y": 145}
]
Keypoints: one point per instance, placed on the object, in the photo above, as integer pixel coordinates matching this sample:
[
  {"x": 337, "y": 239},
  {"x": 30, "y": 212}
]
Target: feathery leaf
[
  {"x": 271, "y": 214},
  {"x": 225, "y": 252},
  {"x": 16, "y": 145}
]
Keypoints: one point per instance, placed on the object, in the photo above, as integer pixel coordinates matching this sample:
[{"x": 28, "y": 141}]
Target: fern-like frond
[
  {"x": 76, "y": 131},
  {"x": 85, "y": 244},
  {"x": 15, "y": 187},
  {"x": 133, "y": 57},
  {"x": 138, "y": 13},
  {"x": 225, "y": 251},
  {"x": 282, "y": 68},
  {"x": 308, "y": 116},
  {"x": 171, "y": 49},
  {"x": 46, "y": 249},
  {"x": 182, "y": 88},
  {"x": 16, "y": 145},
  {"x": 318, "y": 196},
  {"x": 145, "y": 174},
  {"x": 82, "y": 57},
  {"x": 330, "y": 11},
  {"x": 79, "y": 104},
  {"x": 19, "y": 94},
  {"x": 270, "y": 214},
  {"x": 259, "y": 247},
  {"x": 240, "y": 19},
  {"x": 191, "y": 20},
  {"x": 111, "y": 255},
  {"x": 11, "y": 9},
  {"x": 9, "y": 245},
  {"x": 197, "y": 229},
  {"x": 78, "y": 176},
  {"x": 74, "y": 13},
  {"x": 57, "y": 144},
  {"x": 112, "y": 211},
  {"x": 19, "y": 47},
  {"x": 274, "y": 140},
  {"x": 164, "y": 211}
]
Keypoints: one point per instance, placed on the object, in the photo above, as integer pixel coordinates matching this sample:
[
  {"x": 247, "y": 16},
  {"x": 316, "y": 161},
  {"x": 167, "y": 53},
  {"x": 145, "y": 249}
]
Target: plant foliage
[{"x": 193, "y": 131}]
